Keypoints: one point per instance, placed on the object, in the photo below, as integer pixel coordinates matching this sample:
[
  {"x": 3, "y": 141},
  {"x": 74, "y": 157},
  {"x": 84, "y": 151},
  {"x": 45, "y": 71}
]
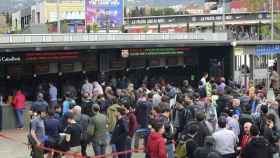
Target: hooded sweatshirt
[{"x": 156, "y": 146}]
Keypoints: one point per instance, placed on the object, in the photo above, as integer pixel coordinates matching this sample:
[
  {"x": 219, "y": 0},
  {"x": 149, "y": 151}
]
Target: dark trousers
[
  {"x": 84, "y": 144},
  {"x": 123, "y": 146},
  {"x": 229, "y": 156},
  {"x": 128, "y": 147}
]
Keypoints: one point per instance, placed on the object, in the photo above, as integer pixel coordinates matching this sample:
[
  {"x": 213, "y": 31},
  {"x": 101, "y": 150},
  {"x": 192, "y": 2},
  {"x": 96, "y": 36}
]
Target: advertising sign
[
  {"x": 104, "y": 12},
  {"x": 268, "y": 49},
  {"x": 157, "y": 51}
]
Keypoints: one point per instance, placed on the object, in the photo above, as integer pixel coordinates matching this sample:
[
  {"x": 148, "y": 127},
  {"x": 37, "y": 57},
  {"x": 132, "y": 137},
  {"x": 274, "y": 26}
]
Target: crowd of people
[{"x": 212, "y": 120}]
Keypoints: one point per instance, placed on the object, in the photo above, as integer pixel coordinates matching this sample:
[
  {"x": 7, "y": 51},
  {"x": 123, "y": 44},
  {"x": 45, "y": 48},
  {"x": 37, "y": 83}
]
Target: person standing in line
[
  {"x": 87, "y": 88},
  {"x": 83, "y": 121},
  {"x": 203, "y": 79},
  {"x": 226, "y": 140},
  {"x": 68, "y": 103},
  {"x": 72, "y": 134},
  {"x": 37, "y": 135},
  {"x": 52, "y": 129},
  {"x": 52, "y": 95},
  {"x": 156, "y": 147},
  {"x": 246, "y": 137},
  {"x": 258, "y": 147},
  {"x": 169, "y": 130},
  {"x": 121, "y": 132},
  {"x": 133, "y": 125},
  {"x": 97, "y": 131},
  {"x": 39, "y": 105},
  {"x": 19, "y": 106}
]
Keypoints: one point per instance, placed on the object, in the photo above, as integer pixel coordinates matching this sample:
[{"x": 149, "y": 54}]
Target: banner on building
[{"x": 104, "y": 13}]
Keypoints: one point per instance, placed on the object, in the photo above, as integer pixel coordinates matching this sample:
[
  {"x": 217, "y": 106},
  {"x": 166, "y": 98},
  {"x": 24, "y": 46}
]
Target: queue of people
[{"x": 210, "y": 121}]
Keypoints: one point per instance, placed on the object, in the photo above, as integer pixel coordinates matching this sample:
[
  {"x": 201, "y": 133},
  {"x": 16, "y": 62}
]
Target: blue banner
[{"x": 268, "y": 50}]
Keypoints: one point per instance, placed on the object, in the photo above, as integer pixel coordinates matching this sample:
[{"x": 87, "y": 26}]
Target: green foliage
[
  {"x": 64, "y": 26},
  {"x": 255, "y": 5},
  {"x": 146, "y": 28},
  {"x": 168, "y": 11},
  {"x": 95, "y": 27}
]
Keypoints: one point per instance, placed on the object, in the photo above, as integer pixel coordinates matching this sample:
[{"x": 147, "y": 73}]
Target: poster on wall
[{"x": 104, "y": 12}]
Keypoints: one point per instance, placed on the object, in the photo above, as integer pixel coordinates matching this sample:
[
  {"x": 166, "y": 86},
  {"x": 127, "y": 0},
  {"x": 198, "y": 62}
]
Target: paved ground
[{"x": 16, "y": 149}]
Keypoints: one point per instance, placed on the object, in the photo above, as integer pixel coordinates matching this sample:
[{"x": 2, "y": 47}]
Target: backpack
[{"x": 186, "y": 146}]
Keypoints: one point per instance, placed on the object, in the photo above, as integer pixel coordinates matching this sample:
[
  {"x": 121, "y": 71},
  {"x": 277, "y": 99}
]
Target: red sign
[{"x": 51, "y": 56}]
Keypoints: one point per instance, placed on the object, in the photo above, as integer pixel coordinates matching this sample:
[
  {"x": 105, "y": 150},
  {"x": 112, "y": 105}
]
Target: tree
[
  {"x": 255, "y": 5},
  {"x": 169, "y": 11},
  {"x": 95, "y": 27},
  {"x": 264, "y": 5}
]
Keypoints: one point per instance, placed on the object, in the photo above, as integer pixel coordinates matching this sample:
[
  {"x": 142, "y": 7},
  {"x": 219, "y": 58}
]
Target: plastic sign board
[{"x": 104, "y": 12}]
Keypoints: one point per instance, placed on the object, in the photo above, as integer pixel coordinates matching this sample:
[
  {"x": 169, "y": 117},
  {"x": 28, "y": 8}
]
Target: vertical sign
[{"x": 104, "y": 12}]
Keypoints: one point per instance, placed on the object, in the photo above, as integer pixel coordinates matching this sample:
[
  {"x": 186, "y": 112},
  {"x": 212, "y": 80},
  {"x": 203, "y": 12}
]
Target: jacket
[
  {"x": 19, "y": 100},
  {"x": 156, "y": 146},
  {"x": 143, "y": 110},
  {"x": 120, "y": 133},
  {"x": 133, "y": 125},
  {"x": 83, "y": 121},
  {"x": 97, "y": 128},
  {"x": 257, "y": 148},
  {"x": 169, "y": 130}
]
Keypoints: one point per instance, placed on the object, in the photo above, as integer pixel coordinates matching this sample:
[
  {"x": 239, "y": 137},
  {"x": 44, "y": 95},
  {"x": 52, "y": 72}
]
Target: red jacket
[
  {"x": 19, "y": 100},
  {"x": 133, "y": 125},
  {"x": 156, "y": 147}
]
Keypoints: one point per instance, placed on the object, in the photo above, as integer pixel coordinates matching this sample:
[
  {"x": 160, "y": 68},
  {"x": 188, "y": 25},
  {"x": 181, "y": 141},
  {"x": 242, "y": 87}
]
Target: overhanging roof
[{"x": 109, "y": 45}]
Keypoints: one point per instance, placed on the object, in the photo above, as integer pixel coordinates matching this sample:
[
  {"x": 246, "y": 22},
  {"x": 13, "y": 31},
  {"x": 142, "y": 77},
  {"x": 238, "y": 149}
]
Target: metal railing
[{"x": 103, "y": 37}]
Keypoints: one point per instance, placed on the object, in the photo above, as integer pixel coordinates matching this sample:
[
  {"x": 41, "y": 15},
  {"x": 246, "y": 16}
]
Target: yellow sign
[{"x": 238, "y": 51}]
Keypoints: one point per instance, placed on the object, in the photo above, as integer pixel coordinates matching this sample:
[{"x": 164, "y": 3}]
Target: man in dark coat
[{"x": 258, "y": 146}]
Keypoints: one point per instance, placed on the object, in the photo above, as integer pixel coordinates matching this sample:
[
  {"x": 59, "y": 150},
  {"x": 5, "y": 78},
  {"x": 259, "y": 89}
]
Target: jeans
[
  {"x": 19, "y": 115},
  {"x": 141, "y": 133},
  {"x": 170, "y": 151},
  {"x": 113, "y": 146},
  {"x": 99, "y": 149}
]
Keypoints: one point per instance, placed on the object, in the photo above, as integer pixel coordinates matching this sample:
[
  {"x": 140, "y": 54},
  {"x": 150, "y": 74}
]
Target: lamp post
[
  {"x": 272, "y": 19},
  {"x": 107, "y": 14},
  {"x": 58, "y": 15},
  {"x": 224, "y": 15}
]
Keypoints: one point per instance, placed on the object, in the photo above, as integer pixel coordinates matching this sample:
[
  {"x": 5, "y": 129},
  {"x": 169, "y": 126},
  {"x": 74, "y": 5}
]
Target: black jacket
[
  {"x": 86, "y": 106},
  {"x": 169, "y": 130},
  {"x": 257, "y": 148},
  {"x": 143, "y": 110},
  {"x": 222, "y": 103},
  {"x": 120, "y": 133}
]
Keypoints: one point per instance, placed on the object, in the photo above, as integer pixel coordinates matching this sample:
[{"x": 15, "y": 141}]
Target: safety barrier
[{"x": 73, "y": 154}]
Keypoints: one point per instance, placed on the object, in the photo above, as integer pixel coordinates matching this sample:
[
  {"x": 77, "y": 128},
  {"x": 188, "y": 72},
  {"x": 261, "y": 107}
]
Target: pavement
[{"x": 17, "y": 149}]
